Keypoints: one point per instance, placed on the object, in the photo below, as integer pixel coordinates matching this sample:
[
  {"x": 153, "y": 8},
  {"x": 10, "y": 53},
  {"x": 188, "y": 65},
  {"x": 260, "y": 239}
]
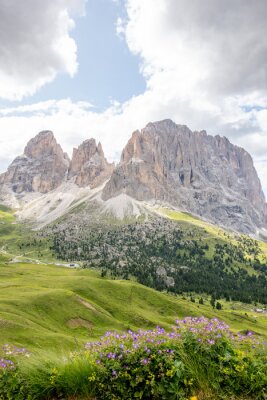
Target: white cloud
[
  {"x": 35, "y": 44},
  {"x": 48, "y": 107},
  {"x": 205, "y": 65},
  {"x": 218, "y": 45}
]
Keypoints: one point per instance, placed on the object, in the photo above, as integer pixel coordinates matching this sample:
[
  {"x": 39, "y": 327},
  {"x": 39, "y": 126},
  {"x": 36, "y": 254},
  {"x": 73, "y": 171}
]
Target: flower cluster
[
  {"x": 9, "y": 354},
  {"x": 11, "y": 386},
  {"x": 9, "y": 350},
  {"x": 6, "y": 364},
  {"x": 153, "y": 359},
  {"x": 209, "y": 330},
  {"x": 205, "y": 331}
]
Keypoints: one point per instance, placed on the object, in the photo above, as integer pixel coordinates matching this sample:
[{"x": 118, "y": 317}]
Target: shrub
[
  {"x": 198, "y": 354},
  {"x": 199, "y": 358},
  {"x": 11, "y": 384}
]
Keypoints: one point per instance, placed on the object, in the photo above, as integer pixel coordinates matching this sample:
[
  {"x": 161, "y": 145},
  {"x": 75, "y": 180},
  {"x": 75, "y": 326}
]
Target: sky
[{"x": 104, "y": 68}]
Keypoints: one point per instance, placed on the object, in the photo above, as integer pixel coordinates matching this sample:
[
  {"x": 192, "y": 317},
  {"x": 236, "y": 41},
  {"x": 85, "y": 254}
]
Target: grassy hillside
[
  {"x": 52, "y": 310},
  {"x": 215, "y": 234},
  {"x": 47, "y": 307},
  {"x": 19, "y": 242},
  {"x": 44, "y": 306}
]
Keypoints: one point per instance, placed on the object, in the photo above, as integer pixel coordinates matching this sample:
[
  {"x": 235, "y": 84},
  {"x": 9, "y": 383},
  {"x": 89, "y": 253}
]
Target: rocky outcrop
[
  {"x": 89, "y": 165},
  {"x": 202, "y": 174},
  {"x": 41, "y": 168}
]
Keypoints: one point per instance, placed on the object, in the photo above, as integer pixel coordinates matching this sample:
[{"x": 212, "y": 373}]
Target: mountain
[
  {"x": 43, "y": 182},
  {"x": 41, "y": 168},
  {"x": 163, "y": 164},
  {"x": 205, "y": 175}
]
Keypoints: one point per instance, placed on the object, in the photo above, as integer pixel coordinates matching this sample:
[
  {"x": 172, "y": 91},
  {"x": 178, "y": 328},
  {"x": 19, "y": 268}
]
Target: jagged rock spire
[
  {"x": 41, "y": 168},
  {"x": 89, "y": 165}
]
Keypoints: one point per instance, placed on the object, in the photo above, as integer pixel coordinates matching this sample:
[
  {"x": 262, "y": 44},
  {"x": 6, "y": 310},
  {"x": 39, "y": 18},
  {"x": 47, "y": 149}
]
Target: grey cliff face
[
  {"x": 202, "y": 174},
  {"x": 89, "y": 165},
  {"x": 41, "y": 168}
]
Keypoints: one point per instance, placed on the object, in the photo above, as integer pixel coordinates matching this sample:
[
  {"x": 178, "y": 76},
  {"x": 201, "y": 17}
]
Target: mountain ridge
[{"x": 164, "y": 163}]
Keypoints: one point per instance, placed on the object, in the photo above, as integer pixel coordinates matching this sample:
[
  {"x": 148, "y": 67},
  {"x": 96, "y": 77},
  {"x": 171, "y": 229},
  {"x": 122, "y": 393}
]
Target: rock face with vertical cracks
[
  {"x": 205, "y": 175},
  {"x": 42, "y": 167},
  {"x": 89, "y": 165}
]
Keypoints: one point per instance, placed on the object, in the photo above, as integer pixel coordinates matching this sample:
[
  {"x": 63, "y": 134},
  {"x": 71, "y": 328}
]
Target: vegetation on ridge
[{"x": 181, "y": 254}]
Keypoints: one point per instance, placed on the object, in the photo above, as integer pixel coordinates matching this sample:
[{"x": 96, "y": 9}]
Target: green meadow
[
  {"x": 48, "y": 307},
  {"x": 53, "y": 311},
  {"x": 44, "y": 307}
]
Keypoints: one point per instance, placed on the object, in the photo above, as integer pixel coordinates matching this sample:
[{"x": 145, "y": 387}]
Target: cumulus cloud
[
  {"x": 35, "y": 44},
  {"x": 48, "y": 107},
  {"x": 205, "y": 65},
  {"x": 217, "y": 44}
]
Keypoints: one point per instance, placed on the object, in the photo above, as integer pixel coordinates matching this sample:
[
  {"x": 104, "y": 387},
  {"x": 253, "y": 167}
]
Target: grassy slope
[
  {"x": 214, "y": 234},
  {"x": 41, "y": 305},
  {"x": 16, "y": 240}
]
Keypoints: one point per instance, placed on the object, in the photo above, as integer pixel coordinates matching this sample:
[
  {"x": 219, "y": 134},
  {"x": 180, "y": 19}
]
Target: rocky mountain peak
[
  {"x": 89, "y": 165},
  {"x": 42, "y": 144},
  {"x": 193, "y": 171},
  {"x": 41, "y": 168}
]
